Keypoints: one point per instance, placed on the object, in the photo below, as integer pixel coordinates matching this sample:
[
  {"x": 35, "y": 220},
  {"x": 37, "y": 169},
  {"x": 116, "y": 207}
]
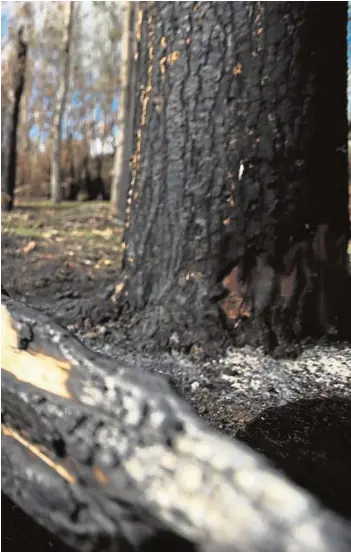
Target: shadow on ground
[
  {"x": 19, "y": 532},
  {"x": 310, "y": 440}
]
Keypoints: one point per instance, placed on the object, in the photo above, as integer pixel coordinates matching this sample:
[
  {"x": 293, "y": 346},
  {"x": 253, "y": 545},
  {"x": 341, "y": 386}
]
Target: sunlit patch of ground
[
  {"x": 54, "y": 252},
  {"x": 82, "y": 229}
]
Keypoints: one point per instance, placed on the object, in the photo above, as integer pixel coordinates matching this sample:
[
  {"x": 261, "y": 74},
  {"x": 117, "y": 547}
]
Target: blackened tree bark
[
  {"x": 180, "y": 180},
  {"x": 290, "y": 224},
  {"x": 233, "y": 123},
  {"x": 10, "y": 166}
]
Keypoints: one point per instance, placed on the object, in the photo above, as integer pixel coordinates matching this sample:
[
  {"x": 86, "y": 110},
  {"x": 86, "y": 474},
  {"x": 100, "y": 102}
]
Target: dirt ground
[
  {"x": 61, "y": 258},
  {"x": 65, "y": 261}
]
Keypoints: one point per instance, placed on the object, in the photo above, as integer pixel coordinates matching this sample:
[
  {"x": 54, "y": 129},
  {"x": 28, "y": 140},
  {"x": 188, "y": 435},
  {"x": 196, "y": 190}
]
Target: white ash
[{"x": 246, "y": 380}]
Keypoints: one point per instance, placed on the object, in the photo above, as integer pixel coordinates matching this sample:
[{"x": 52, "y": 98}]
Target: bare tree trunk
[
  {"x": 25, "y": 145},
  {"x": 120, "y": 180},
  {"x": 10, "y": 165},
  {"x": 55, "y": 183}
]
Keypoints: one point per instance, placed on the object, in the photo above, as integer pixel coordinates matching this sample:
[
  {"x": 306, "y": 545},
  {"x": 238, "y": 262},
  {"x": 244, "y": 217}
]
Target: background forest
[
  {"x": 89, "y": 125},
  {"x": 91, "y": 115}
]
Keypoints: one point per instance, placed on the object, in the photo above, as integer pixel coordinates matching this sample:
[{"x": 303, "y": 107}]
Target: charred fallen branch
[{"x": 108, "y": 457}]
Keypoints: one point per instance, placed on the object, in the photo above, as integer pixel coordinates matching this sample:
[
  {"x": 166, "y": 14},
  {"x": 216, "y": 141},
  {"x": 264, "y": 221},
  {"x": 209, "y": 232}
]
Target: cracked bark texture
[
  {"x": 238, "y": 105},
  {"x": 180, "y": 185},
  {"x": 107, "y": 456},
  {"x": 289, "y": 228}
]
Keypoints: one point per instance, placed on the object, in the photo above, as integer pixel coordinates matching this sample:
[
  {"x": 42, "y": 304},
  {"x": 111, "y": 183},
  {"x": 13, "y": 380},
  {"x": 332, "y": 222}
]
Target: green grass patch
[
  {"x": 47, "y": 204},
  {"x": 21, "y": 231}
]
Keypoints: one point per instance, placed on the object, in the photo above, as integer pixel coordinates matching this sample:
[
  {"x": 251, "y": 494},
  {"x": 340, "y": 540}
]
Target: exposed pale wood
[{"x": 45, "y": 372}]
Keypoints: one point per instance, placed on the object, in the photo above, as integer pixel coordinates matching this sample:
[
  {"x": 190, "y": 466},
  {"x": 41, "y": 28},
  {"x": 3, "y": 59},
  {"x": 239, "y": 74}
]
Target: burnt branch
[{"x": 108, "y": 456}]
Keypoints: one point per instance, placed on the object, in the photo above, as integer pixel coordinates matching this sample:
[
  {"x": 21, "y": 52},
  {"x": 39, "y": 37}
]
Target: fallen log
[{"x": 109, "y": 457}]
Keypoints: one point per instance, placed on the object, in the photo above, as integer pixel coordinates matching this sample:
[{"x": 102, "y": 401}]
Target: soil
[
  {"x": 66, "y": 260},
  {"x": 19, "y": 531},
  {"x": 61, "y": 258}
]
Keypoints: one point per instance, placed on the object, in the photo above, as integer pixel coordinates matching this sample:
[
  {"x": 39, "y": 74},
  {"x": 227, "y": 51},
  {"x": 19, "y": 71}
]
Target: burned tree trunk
[
  {"x": 233, "y": 124},
  {"x": 10, "y": 165},
  {"x": 290, "y": 224},
  {"x": 180, "y": 182},
  {"x": 108, "y": 457}
]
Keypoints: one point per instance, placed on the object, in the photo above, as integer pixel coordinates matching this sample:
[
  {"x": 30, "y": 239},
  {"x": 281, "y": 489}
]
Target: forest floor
[
  {"x": 64, "y": 259},
  {"x": 58, "y": 257}
]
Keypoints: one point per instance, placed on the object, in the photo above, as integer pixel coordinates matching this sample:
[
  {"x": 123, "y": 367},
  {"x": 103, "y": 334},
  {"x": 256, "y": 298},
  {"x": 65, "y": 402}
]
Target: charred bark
[
  {"x": 10, "y": 165},
  {"x": 180, "y": 182},
  {"x": 108, "y": 457},
  {"x": 290, "y": 224},
  {"x": 233, "y": 122}
]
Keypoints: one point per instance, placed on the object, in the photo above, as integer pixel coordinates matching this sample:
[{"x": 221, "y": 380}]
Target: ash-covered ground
[{"x": 230, "y": 391}]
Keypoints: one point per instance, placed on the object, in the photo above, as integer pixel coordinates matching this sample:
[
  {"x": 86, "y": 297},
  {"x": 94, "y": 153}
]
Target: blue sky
[
  {"x": 4, "y": 24},
  {"x": 6, "y": 11}
]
